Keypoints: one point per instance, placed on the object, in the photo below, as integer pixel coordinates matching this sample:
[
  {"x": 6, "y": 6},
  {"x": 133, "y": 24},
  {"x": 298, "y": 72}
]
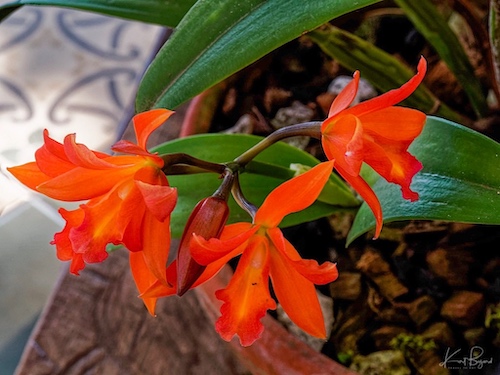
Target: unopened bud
[{"x": 207, "y": 220}]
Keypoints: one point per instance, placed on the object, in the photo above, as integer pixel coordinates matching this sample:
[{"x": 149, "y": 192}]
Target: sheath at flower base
[
  {"x": 377, "y": 133},
  {"x": 129, "y": 200},
  {"x": 266, "y": 253}
]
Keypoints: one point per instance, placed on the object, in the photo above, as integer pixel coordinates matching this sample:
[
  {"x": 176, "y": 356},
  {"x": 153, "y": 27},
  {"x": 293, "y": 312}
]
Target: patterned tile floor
[{"x": 69, "y": 72}]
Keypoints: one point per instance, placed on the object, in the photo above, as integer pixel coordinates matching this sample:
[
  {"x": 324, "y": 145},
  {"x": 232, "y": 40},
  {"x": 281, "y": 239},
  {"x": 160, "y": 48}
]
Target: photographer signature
[{"x": 453, "y": 360}]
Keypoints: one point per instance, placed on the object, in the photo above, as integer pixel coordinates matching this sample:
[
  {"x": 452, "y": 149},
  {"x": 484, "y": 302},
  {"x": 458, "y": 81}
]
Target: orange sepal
[
  {"x": 310, "y": 269},
  {"x": 293, "y": 195},
  {"x": 366, "y": 192},
  {"x": 346, "y": 96},
  {"x": 398, "y": 124},
  {"x": 146, "y": 122},
  {"x": 391, "y": 97},
  {"x": 143, "y": 278},
  {"x": 29, "y": 174},
  {"x": 297, "y": 295},
  {"x": 81, "y": 156},
  {"x": 82, "y": 184}
]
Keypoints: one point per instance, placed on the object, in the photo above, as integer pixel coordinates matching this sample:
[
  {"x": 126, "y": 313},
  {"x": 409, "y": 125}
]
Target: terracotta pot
[{"x": 277, "y": 351}]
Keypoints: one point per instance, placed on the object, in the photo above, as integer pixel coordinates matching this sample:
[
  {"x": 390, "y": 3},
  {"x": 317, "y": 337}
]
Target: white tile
[{"x": 69, "y": 72}]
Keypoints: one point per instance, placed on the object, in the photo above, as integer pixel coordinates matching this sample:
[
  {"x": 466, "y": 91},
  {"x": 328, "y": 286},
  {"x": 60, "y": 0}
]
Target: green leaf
[
  {"x": 162, "y": 12},
  {"x": 460, "y": 180},
  {"x": 429, "y": 22},
  {"x": 221, "y": 148},
  {"x": 217, "y": 38},
  {"x": 383, "y": 70}
]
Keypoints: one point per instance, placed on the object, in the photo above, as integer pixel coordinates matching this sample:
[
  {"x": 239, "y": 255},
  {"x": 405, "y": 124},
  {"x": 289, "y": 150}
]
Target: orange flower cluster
[
  {"x": 130, "y": 202},
  {"x": 377, "y": 133}
]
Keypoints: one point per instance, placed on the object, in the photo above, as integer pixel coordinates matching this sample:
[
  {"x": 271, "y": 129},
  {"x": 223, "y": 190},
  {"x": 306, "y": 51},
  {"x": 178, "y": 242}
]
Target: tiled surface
[{"x": 69, "y": 72}]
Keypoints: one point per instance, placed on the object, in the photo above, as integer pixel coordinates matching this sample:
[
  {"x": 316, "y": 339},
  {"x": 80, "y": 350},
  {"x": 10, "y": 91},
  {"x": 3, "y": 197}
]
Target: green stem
[
  {"x": 311, "y": 129},
  {"x": 172, "y": 160},
  {"x": 182, "y": 169},
  {"x": 227, "y": 183},
  {"x": 240, "y": 198}
]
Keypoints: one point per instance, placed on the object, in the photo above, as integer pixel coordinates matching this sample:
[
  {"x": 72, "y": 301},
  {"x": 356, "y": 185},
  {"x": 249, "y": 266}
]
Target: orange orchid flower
[
  {"x": 129, "y": 200},
  {"x": 377, "y": 133},
  {"x": 266, "y": 253}
]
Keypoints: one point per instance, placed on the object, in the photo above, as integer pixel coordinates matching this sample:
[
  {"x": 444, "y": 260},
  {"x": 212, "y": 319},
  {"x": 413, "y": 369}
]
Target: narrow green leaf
[
  {"x": 256, "y": 186},
  {"x": 217, "y": 38},
  {"x": 383, "y": 70},
  {"x": 460, "y": 180},
  {"x": 429, "y": 22},
  {"x": 162, "y": 12}
]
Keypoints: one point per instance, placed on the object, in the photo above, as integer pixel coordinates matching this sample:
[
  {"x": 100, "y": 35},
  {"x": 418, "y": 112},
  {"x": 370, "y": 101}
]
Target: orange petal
[
  {"x": 159, "y": 198},
  {"x": 346, "y": 96},
  {"x": 105, "y": 220},
  {"x": 293, "y": 195},
  {"x": 159, "y": 289},
  {"x": 63, "y": 244},
  {"x": 367, "y": 194},
  {"x": 128, "y": 147},
  {"x": 51, "y": 157},
  {"x": 205, "y": 251},
  {"x": 246, "y": 298},
  {"x": 296, "y": 294},
  {"x": 81, "y": 156},
  {"x": 135, "y": 210},
  {"x": 156, "y": 245},
  {"x": 53, "y": 147},
  {"x": 342, "y": 140},
  {"x": 395, "y": 164},
  {"x": 143, "y": 278},
  {"x": 394, "y": 123},
  {"x": 146, "y": 122},
  {"x": 59, "y": 150},
  {"x": 310, "y": 269},
  {"x": 101, "y": 225},
  {"x": 392, "y": 97}
]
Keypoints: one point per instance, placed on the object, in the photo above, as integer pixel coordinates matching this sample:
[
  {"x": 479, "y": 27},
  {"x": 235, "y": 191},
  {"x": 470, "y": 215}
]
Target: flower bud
[{"x": 207, "y": 220}]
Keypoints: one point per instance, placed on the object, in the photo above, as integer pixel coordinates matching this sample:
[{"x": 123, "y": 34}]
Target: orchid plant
[{"x": 227, "y": 196}]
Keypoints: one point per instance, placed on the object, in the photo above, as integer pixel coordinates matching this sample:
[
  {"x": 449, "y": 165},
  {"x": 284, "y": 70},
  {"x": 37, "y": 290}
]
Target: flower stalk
[{"x": 311, "y": 129}]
